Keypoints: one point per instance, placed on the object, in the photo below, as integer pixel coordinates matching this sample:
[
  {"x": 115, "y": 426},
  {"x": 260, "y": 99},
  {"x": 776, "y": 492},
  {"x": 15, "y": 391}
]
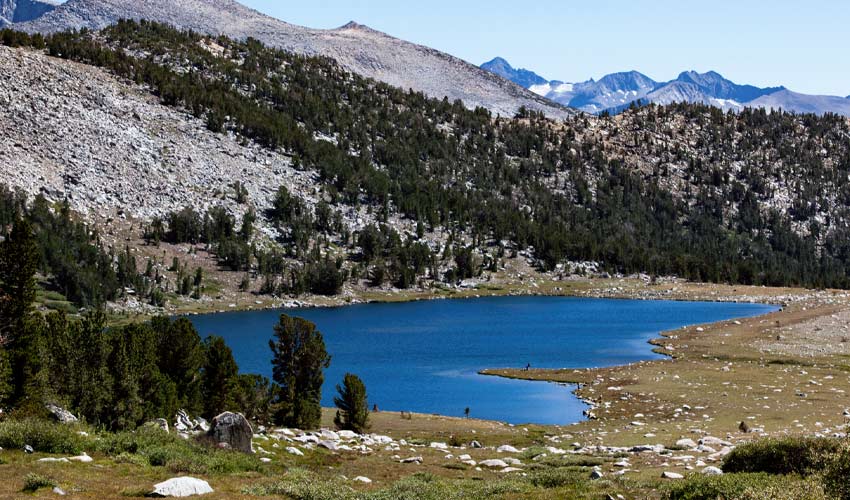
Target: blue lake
[{"x": 424, "y": 356}]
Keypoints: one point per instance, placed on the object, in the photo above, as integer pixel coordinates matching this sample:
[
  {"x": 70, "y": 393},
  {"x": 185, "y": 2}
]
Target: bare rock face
[
  {"x": 357, "y": 48},
  {"x": 62, "y": 415},
  {"x": 232, "y": 430},
  {"x": 20, "y": 11}
]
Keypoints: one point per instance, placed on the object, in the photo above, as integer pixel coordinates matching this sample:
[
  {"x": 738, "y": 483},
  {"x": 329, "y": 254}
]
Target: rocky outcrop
[
  {"x": 20, "y": 11},
  {"x": 232, "y": 430},
  {"x": 61, "y": 415},
  {"x": 357, "y": 48}
]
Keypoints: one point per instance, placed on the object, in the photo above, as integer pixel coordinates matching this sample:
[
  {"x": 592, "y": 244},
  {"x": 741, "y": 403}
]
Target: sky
[{"x": 803, "y": 45}]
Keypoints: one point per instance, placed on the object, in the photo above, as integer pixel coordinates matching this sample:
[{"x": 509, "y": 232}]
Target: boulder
[
  {"x": 712, "y": 471},
  {"x": 294, "y": 451},
  {"x": 475, "y": 444},
  {"x": 507, "y": 449},
  {"x": 28, "y": 449},
  {"x": 84, "y": 458},
  {"x": 61, "y": 415},
  {"x": 493, "y": 463},
  {"x": 182, "y": 422},
  {"x": 412, "y": 460},
  {"x": 330, "y": 445},
  {"x": 671, "y": 475},
  {"x": 234, "y": 430},
  {"x": 181, "y": 487},
  {"x": 362, "y": 479},
  {"x": 596, "y": 475}
]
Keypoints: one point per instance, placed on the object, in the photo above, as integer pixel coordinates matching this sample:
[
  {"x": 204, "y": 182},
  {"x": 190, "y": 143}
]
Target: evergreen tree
[
  {"x": 94, "y": 380},
  {"x": 299, "y": 358},
  {"x": 18, "y": 264},
  {"x": 353, "y": 414},
  {"x": 181, "y": 357},
  {"x": 220, "y": 377}
]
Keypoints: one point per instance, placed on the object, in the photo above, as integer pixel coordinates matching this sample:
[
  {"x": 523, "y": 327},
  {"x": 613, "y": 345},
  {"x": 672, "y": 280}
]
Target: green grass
[{"x": 758, "y": 486}]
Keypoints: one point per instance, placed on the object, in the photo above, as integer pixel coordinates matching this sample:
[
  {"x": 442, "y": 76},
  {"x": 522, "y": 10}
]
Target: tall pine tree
[{"x": 298, "y": 367}]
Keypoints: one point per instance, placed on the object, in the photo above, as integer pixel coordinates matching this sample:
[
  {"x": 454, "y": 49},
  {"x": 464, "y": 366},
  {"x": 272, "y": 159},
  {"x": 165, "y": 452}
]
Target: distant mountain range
[
  {"x": 357, "y": 48},
  {"x": 19, "y": 11},
  {"x": 617, "y": 91}
]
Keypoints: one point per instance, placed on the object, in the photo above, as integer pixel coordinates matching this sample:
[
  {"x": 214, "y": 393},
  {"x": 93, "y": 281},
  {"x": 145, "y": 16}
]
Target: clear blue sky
[{"x": 804, "y": 45}]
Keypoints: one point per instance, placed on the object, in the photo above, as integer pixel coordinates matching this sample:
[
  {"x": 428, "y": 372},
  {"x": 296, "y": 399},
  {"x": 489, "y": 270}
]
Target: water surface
[{"x": 424, "y": 356}]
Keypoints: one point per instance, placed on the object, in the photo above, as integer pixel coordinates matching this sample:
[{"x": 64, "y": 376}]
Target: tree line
[{"x": 121, "y": 377}]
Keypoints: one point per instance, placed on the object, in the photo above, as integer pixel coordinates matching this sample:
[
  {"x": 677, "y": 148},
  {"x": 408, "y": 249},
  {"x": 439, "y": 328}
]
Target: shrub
[
  {"x": 748, "y": 486},
  {"x": 836, "y": 478},
  {"x": 34, "y": 482},
  {"x": 782, "y": 456},
  {"x": 42, "y": 435}
]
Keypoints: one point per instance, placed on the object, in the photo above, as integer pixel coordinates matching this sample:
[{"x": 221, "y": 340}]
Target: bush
[
  {"x": 802, "y": 456},
  {"x": 151, "y": 446},
  {"x": 42, "y": 435},
  {"x": 760, "y": 486},
  {"x": 34, "y": 482},
  {"x": 836, "y": 478}
]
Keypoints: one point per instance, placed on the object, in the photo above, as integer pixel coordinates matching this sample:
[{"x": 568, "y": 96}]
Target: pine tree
[
  {"x": 353, "y": 414},
  {"x": 220, "y": 377},
  {"x": 18, "y": 264},
  {"x": 297, "y": 366},
  {"x": 181, "y": 357}
]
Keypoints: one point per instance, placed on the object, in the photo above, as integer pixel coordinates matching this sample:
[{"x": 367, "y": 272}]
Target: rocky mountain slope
[
  {"x": 681, "y": 190},
  {"x": 19, "y": 11},
  {"x": 617, "y": 91},
  {"x": 74, "y": 132},
  {"x": 357, "y": 48}
]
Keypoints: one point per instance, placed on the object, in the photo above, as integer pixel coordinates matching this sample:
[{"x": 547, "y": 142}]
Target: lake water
[{"x": 424, "y": 356}]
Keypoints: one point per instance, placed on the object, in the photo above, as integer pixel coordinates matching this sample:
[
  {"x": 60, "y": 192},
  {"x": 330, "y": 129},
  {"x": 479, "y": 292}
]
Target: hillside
[
  {"x": 385, "y": 186},
  {"x": 357, "y": 48}
]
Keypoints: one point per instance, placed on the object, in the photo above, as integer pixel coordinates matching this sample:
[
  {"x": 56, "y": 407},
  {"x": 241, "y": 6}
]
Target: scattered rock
[
  {"x": 234, "y": 430},
  {"x": 294, "y": 451},
  {"x": 507, "y": 449},
  {"x": 712, "y": 471},
  {"x": 686, "y": 443},
  {"x": 181, "y": 487},
  {"x": 84, "y": 458},
  {"x": 493, "y": 463},
  {"x": 671, "y": 475},
  {"x": 412, "y": 460}
]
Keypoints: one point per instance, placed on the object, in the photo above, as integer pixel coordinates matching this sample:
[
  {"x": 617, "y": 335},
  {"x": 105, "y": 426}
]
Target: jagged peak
[{"x": 352, "y": 25}]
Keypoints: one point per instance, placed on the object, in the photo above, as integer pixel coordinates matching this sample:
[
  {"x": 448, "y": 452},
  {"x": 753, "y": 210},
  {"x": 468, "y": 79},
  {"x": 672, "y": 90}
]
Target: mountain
[
  {"x": 617, "y": 91},
  {"x": 522, "y": 77},
  {"x": 18, "y": 11},
  {"x": 802, "y": 103},
  {"x": 357, "y": 48}
]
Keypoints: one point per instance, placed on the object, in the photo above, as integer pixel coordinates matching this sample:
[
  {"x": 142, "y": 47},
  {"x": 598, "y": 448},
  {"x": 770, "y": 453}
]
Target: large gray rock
[
  {"x": 181, "y": 487},
  {"x": 234, "y": 430},
  {"x": 62, "y": 415}
]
